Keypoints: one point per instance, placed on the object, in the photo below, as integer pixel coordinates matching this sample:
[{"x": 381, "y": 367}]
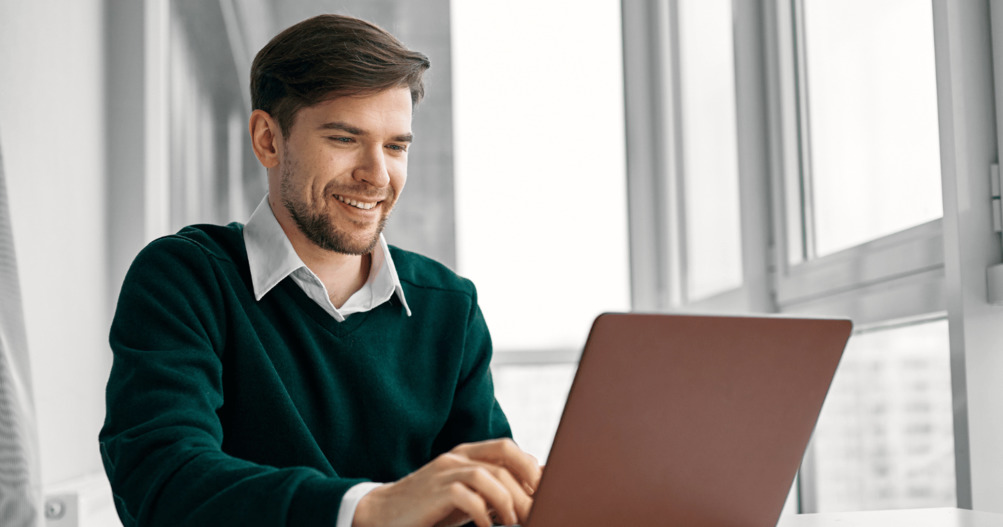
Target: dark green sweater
[{"x": 222, "y": 410}]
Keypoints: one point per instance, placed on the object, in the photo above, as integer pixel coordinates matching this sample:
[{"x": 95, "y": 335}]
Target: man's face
[{"x": 343, "y": 166}]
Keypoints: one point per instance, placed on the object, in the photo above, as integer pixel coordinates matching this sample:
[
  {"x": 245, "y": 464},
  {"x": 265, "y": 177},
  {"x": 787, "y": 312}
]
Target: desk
[{"x": 902, "y": 518}]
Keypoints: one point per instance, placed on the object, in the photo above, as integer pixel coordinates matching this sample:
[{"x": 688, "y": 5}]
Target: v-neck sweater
[{"x": 223, "y": 410}]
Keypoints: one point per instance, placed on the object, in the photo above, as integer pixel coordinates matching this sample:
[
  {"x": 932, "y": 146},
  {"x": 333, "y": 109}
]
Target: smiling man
[{"x": 297, "y": 370}]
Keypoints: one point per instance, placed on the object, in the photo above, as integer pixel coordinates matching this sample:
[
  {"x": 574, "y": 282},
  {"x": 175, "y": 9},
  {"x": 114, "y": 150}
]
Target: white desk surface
[{"x": 902, "y": 518}]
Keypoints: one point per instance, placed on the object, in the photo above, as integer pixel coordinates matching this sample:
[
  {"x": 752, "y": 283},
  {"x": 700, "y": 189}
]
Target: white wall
[{"x": 53, "y": 134}]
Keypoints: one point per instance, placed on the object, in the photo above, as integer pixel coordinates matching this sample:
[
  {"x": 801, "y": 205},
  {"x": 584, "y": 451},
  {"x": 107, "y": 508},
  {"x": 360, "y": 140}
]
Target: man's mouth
[{"x": 364, "y": 205}]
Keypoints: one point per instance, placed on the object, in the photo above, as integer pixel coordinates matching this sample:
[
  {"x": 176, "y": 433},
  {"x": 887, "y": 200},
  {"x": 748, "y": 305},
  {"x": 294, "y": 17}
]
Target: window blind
[{"x": 20, "y": 488}]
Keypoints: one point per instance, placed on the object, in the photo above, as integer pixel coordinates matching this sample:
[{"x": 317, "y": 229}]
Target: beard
[{"x": 318, "y": 225}]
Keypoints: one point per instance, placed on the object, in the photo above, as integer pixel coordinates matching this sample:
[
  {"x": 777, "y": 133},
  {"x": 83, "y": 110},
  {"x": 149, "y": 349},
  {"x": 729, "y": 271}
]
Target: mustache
[{"x": 363, "y": 192}]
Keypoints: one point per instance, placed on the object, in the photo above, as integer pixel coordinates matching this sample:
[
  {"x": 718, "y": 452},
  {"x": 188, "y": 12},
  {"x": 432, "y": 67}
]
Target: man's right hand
[{"x": 472, "y": 482}]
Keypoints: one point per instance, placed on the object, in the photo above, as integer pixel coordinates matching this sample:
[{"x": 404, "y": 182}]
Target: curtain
[{"x": 20, "y": 485}]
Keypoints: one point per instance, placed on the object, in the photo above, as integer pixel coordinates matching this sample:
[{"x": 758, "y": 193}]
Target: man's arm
[
  {"x": 162, "y": 439},
  {"x": 478, "y": 475},
  {"x": 475, "y": 414}
]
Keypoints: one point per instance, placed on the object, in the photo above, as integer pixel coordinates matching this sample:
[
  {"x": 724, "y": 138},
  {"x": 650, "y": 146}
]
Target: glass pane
[
  {"x": 872, "y": 106},
  {"x": 541, "y": 204},
  {"x": 533, "y": 399},
  {"x": 710, "y": 155},
  {"x": 885, "y": 438}
]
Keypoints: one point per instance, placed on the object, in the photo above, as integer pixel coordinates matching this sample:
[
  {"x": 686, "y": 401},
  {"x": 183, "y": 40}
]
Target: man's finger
[
  {"x": 505, "y": 453},
  {"x": 470, "y": 503},
  {"x": 521, "y": 500},
  {"x": 485, "y": 481}
]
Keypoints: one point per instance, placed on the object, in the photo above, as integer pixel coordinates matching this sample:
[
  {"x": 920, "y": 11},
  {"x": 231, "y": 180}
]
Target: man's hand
[{"x": 471, "y": 482}]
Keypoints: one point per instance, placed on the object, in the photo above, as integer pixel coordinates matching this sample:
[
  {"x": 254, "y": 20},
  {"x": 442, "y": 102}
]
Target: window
[
  {"x": 541, "y": 205},
  {"x": 885, "y": 438},
  {"x": 860, "y": 246},
  {"x": 540, "y": 188},
  {"x": 533, "y": 397},
  {"x": 713, "y": 261},
  {"x": 862, "y": 128},
  {"x": 871, "y": 161},
  {"x": 864, "y": 133}
]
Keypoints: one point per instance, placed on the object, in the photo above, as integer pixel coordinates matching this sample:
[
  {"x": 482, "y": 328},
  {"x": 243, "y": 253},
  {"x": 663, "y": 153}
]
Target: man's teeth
[{"x": 357, "y": 204}]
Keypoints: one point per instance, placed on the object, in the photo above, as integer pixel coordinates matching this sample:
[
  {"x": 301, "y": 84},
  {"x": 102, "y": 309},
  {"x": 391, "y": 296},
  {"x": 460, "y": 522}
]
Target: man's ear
[{"x": 265, "y": 136}]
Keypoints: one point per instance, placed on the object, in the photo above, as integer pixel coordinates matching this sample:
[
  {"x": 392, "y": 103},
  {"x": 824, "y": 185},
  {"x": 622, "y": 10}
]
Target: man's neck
[{"x": 342, "y": 274}]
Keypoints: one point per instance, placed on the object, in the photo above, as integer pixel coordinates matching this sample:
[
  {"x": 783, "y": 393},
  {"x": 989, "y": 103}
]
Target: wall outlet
[
  {"x": 62, "y": 510},
  {"x": 85, "y": 501}
]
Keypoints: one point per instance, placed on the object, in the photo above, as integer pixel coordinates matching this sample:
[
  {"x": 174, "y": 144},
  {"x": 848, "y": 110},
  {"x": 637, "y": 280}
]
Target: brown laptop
[{"x": 689, "y": 421}]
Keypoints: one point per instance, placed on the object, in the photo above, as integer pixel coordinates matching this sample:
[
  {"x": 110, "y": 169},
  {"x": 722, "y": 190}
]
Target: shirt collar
[{"x": 271, "y": 258}]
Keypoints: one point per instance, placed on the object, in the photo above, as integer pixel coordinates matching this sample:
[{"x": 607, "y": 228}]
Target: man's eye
[
  {"x": 398, "y": 148},
  {"x": 341, "y": 139}
]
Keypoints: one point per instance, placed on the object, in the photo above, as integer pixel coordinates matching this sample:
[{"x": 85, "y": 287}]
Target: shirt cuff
[{"x": 349, "y": 502}]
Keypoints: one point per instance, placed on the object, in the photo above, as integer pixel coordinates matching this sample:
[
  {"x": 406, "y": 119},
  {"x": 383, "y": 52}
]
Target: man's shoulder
[
  {"x": 421, "y": 271},
  {"x": 218, "y": 242},
  {"x": 190, "y": 263}
]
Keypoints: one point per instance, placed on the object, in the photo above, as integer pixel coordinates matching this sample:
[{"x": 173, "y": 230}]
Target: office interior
[{"x": 796, "y": 157}]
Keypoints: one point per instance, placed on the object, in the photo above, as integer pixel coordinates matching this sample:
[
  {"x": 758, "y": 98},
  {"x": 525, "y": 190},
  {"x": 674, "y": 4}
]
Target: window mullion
[{"x": 804, "y": 179}]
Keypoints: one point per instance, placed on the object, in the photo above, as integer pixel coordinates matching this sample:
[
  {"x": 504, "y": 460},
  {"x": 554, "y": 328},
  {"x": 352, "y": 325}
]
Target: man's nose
[{"x": 372, "y": 168}]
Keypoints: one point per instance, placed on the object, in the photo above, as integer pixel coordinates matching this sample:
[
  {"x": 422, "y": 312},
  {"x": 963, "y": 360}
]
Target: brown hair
[{"x": 329, "y": 56}]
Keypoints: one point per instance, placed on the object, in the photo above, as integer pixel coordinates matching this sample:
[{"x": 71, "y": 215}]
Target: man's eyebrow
[
  {"x": 344, "y": 127},
  {"x": 354, "y": 130}
]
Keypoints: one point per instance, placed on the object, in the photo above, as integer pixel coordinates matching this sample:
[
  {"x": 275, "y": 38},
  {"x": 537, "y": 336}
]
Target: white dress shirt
[{"x": 272, "y": 258}]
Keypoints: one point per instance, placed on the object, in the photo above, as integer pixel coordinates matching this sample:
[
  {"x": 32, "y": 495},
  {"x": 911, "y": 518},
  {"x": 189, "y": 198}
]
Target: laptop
[{"x": 685, "y": 420}]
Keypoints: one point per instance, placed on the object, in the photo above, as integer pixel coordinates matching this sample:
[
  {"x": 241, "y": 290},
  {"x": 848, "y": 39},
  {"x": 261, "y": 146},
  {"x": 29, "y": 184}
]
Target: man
[{"x": 298, "y": 370}]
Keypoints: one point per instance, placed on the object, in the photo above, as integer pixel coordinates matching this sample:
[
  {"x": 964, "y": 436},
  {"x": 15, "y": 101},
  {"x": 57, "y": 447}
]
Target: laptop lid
[{"x": 686, "y": 420}]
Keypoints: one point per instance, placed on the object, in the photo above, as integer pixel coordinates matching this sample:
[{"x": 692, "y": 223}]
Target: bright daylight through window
[
  {"x": 871, "y": 168},
  {"x": 872, "y": 108},
  {"x": 713, "y": 259},
  {"x": 885, "y": 439},
  {"x": 541, "y": 207}
]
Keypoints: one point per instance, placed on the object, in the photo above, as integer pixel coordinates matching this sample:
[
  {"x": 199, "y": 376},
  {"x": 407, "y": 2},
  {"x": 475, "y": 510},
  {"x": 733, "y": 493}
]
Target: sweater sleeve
[
  {"x": 162, "y": 439},
  {"x": 476, "y": 414}
]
